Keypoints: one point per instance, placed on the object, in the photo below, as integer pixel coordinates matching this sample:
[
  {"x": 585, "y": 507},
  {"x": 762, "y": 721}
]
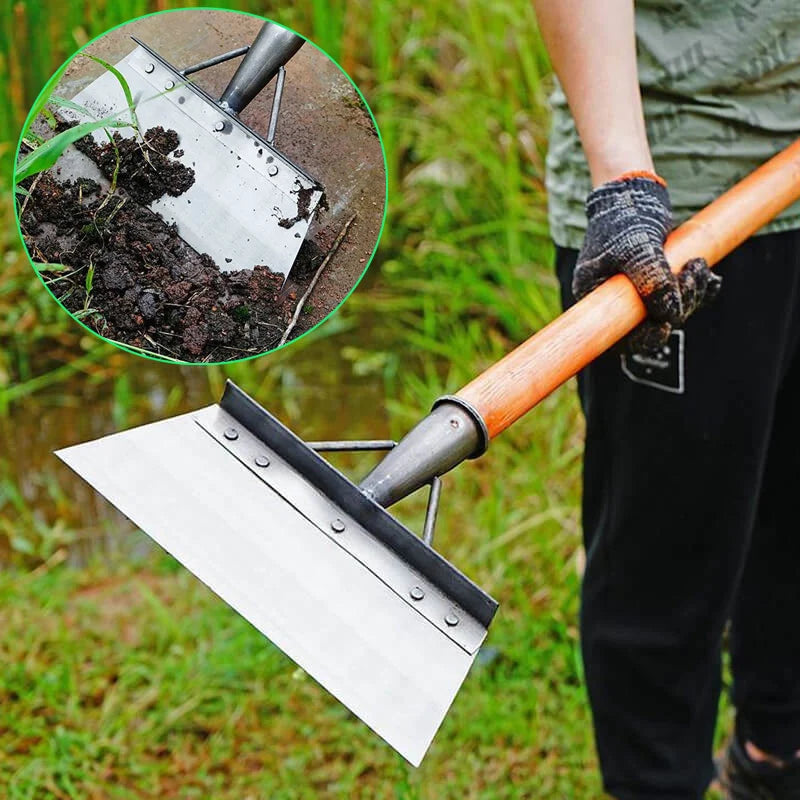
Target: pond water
[{"x": 315, "y": 391}]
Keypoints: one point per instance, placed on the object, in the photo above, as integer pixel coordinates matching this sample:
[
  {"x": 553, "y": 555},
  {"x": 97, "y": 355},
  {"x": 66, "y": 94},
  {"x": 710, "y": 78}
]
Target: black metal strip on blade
[
  {"x": 182, "y": 80},
  {"x": 322, "y": 512},
  {"x": 366, "y": 512}
]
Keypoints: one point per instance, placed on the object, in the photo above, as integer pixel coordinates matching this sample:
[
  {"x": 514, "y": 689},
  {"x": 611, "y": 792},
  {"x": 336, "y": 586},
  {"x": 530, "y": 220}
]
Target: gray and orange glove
[{"x": 628, "y": 222}]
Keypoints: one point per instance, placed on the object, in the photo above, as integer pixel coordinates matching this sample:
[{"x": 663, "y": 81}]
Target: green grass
[
  {"x": 141, "y": 684},
  {"x": 126, "y": 678},
  {"x": 44, "y": 154}
]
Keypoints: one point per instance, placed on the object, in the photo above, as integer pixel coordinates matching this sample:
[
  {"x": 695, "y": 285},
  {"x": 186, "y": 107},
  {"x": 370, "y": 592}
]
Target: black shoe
[{"x": 744, "y": 779}]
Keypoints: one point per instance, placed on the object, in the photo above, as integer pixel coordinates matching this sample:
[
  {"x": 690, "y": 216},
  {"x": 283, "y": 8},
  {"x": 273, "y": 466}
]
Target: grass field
[{"x": 123, "y": 677}]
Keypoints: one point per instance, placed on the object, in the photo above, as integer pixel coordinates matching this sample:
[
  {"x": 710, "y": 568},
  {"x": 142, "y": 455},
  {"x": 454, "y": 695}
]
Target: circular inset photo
[{"x": 200, "y": 186}]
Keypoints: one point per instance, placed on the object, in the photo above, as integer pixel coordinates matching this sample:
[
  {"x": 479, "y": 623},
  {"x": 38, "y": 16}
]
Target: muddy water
[{"x": 314, "y": 391}]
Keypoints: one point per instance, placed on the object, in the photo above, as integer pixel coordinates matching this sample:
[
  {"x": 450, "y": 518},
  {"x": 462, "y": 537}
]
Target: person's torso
[{"x": 721, "y": 89}]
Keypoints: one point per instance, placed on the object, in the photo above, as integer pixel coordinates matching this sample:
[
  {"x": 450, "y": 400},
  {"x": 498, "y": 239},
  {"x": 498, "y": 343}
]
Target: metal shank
[
  {"x": 450, "y": 434},
  {"x": 273, "y": 47}
]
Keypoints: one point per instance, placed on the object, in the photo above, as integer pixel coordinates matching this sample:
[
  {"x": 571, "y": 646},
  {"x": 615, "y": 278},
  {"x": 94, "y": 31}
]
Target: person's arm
[{"x": 592, "y": 46}]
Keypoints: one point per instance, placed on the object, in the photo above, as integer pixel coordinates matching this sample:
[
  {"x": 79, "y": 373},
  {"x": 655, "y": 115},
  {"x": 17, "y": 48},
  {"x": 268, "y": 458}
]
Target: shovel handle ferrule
[
  {"x": 515, "y": 384},
  {"x": 273, "y": 47},
  {"x": 450, "y": 434}
]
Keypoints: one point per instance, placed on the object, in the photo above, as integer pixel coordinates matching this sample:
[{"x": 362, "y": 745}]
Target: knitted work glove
[{"x": 629, "y": 219}]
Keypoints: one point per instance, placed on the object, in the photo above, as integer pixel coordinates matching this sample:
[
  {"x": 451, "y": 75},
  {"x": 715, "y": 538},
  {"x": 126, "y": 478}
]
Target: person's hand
[{"x": 628, "y": 222}]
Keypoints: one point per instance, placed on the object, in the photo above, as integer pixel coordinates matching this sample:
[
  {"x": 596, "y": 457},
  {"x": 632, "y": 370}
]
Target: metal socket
[{"x": 443, "y": 439}]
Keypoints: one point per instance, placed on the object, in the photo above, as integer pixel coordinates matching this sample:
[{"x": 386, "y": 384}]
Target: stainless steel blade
[
  {"x": 343, "y": 616},
  {"x": 243, "y": 206}
]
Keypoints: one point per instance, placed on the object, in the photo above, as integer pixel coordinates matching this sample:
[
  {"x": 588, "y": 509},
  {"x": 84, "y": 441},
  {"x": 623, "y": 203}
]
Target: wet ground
[{"x": 323, "y": 127}]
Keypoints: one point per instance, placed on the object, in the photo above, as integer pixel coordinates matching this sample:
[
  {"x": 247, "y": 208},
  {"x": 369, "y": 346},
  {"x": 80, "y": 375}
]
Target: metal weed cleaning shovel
[
  {"x": 318, "y": 564},
  {"x": 250, "y": 204}
]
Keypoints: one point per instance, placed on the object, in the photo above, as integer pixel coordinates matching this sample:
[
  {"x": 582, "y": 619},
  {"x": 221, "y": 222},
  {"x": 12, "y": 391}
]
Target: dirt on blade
[
  {"x": 303, "y": 202},
  {"x": 127, "y": 274},
  {"x": 146, "y": 170}
]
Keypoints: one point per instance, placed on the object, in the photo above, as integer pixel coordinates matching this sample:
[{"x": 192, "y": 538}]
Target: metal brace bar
[
  {"x": 212, "y": 62},
  {"x": 374, "y": 445},
  {"x": 354, "y": 446},
  {"x": 276, "y": 105},
  {"x": 431, "y": 511}
]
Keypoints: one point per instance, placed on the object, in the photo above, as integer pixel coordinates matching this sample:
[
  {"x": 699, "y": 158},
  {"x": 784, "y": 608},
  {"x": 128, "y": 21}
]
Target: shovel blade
[
  {"x": 249, "y": 204},
  {"x": 275, "y": 565}
]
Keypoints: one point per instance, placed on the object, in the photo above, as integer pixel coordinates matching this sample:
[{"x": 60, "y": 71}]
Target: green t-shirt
[{"x": 721, "y": 89}]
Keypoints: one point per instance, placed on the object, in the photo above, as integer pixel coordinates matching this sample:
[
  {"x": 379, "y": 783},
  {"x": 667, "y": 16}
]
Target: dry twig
[
  {"x": 302, "y": 301},
  {"x": 28, "y": 196}
]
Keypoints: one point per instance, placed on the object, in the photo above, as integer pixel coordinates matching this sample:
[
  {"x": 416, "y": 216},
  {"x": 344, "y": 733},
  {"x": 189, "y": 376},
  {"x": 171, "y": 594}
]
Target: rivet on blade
[
  {"x": 169, "y": 85},
  {"x": 273, "y": 170},
  {"x": 417, "y": 593},
  {"x": 149, "y": 68},
  {"x": 220, "y": 126},
  {"x": 231, "y": 433},
  {"x": 337, "y": 526},
  {"x": 262, "y": 461},
  {"x": 451, "y": 619}
]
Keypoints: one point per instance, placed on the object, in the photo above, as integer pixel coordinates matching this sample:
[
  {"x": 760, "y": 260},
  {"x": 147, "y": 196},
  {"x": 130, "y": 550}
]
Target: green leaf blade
[
  {"x": 46, "y": 155},
  {"x": 123, "y": 83}
]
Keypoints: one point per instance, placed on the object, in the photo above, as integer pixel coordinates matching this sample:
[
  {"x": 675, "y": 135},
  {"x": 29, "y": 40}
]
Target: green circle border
[{"x": 53, "y": 82}]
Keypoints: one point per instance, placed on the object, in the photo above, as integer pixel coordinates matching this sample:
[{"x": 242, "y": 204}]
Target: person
[{"x": 693, "y": 425}]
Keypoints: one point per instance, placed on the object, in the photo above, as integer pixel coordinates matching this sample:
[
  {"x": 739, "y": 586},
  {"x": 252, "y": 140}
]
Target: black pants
[{"x": 690, "y": 514}]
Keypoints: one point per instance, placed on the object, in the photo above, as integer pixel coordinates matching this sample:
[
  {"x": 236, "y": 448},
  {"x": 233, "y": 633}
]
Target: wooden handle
[{"x": 520, "y": 380}]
